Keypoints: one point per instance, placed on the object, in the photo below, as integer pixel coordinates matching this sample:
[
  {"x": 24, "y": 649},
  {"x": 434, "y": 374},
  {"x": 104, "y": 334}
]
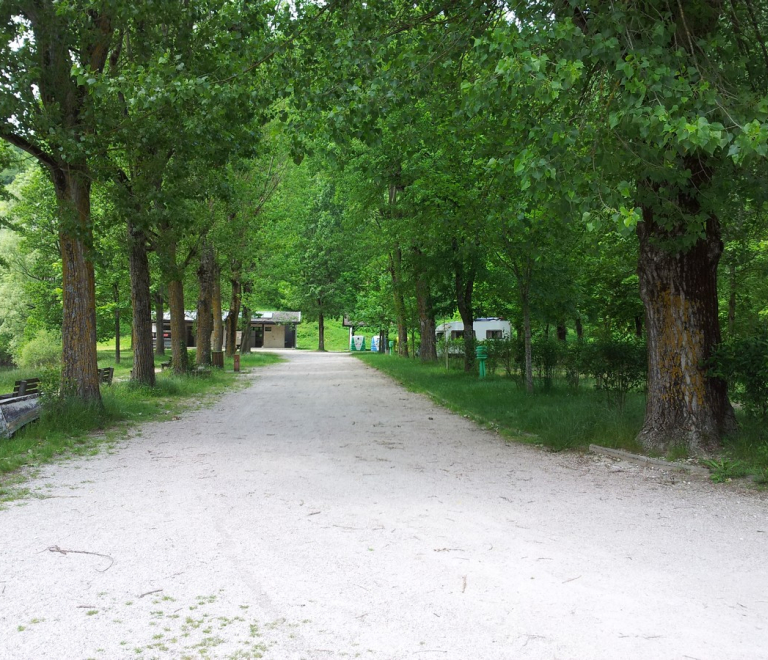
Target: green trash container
[{"x": 481, "y": 353}]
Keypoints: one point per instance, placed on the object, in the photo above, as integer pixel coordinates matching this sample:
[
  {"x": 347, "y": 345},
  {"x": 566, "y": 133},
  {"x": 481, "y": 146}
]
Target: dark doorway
[
  {"x": 290, "y": 336},
  {"x": 258, "y": 336}
]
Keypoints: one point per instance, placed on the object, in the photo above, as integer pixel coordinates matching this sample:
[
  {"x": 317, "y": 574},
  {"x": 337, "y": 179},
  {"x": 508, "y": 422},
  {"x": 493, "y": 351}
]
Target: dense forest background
[{"x": 594, "y": 172}]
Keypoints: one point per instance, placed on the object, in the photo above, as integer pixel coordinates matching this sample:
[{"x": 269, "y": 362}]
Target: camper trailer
[{"x": 485, "y": 328}]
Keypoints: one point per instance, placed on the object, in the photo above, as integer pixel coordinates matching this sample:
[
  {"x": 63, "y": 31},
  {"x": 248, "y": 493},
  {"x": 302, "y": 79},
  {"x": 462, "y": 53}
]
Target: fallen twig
[
  {"x": 146, "y": 593},
  {"x": 56, "y": 548},
  {"x": 572, "y": 579}
]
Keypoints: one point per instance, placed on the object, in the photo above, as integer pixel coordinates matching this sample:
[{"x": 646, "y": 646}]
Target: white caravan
[{"x": 486, "y": 328}]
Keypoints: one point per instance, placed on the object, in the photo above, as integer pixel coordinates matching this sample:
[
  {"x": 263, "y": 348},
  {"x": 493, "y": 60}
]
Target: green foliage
[
  {"x": 743, "y": 364},
  {"x": 618, "y": 366},
  {"x": 41, "y": 351},
  {"x": 725, "y": 469}
]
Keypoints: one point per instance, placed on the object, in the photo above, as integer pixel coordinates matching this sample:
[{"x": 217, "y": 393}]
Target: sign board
[
  {"x": 357, "y": 343},
  {"x": 375, "y": 344}
]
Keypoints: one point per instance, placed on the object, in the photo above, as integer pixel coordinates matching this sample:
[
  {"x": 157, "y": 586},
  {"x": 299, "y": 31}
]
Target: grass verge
[{"x": 69, "y": 427}]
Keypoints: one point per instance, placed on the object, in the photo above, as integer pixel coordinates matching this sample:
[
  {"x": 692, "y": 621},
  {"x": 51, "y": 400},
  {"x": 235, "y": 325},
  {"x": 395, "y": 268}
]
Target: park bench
[
  {"x": 105, "y": 375},
  {"x": 166, "y": 365},
  {"x": 20, "y": 407},
  {"x": 23, "y": 388}
]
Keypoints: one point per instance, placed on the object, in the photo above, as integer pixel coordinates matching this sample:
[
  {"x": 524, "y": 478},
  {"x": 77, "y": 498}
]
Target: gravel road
[{"x": 325, "y": 512}]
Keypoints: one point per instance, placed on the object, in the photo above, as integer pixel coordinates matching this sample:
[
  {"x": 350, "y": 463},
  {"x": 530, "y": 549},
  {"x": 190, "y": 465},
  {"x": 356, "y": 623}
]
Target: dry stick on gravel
[
  {"x": 146, "y": 593},
  {"x": 56, "y": 548}
]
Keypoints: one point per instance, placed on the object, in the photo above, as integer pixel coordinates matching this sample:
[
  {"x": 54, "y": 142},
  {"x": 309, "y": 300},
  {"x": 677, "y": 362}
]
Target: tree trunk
[
  {"x": 731, "y": 300},
  {"x": 218, "y": 326},
  {"x": 396, "y": 272},
  {"x": 245, "y": 339},
  {"x": 179, "y": 355},
  {"x": 428, "y": 347},
  {"x": 159, "y": 324},
  {"x": 234, "y": 312},
  {"x": 639, "y": 327},
  {"x": 79, "y": 373},
  {"x": 116, "y": 295},
  {"x": 320, "y": 332},
  {"x": 579, "y": 329},
  {"x": 464, "y": 283},
  {"x": 562, "y": 332},
  {"x": 527, "y": 343},
  {"x": 141, "y": 301},
  {"x": 204, "y": 307},
  {"x": 679, "y": 291}
]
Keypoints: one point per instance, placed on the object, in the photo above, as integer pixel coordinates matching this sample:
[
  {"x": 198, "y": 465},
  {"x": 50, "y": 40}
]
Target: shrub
[
  {"x": 617, "y": 365},
  {"x": 42, "y": 351},
  {"x": 743, "y": 363},
  {"x": 547, "y": 354}
]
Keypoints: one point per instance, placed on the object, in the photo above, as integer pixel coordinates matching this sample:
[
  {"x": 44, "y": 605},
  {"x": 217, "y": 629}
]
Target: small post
[
  {"x": 237, "y": 361},
  {"x": 481, "y": 353}
]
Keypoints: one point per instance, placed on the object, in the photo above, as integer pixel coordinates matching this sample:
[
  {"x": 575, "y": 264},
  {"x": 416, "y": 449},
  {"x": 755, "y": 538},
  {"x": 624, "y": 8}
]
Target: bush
[
  {"x": 41, "y": 352},
  {"x": 743, "y": 363},
  {"x": 502, "y": 352},
  {"x": 617, "y": 365},
  {"x": 547, "y": 354}
]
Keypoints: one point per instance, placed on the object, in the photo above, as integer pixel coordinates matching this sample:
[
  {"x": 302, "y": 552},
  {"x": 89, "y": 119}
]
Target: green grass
[
  {"x": 70, "y": 427},
  {"x": 336, "y": 336},
  {"x": 557, "y": 417}
]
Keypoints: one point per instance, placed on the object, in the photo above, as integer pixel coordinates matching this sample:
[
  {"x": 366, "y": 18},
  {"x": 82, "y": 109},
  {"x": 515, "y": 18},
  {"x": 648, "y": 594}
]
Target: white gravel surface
[{"x": 325, "y": 512}]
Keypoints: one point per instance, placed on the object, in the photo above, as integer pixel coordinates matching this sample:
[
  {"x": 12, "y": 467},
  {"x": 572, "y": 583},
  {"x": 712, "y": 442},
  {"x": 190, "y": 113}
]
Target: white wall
[{"x": 274, "y": 338}]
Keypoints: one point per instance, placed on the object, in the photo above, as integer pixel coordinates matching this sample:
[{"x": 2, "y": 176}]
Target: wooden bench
[
  {"x": 23, "y": 388},
  {"x": 166, "y": 365},
  {"x": 105, "y": 375}
]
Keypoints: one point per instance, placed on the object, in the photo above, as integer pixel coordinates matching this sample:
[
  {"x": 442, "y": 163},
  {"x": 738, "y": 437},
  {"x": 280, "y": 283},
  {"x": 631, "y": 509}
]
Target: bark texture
[
  {"x": 204, "y": 307},
  {"x": 79, "y": 374},
  {"x": 116, "y": 296},
  {"x": 179, "y": 356},
  {"x": 428, "y": 346},
  {"x": 159, "y": 324},
  {"x": 143, "y": 358},
  {"x": 396, "y": 273},
  {"x": 217, "y": 340},
  {"x": 679, "y": 290},
  {"x": 234, "y": 312},
  {"x": 320, "y": 332}
]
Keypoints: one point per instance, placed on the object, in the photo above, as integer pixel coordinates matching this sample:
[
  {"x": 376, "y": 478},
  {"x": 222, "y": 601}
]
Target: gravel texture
[{"x": 325, "y": 512}]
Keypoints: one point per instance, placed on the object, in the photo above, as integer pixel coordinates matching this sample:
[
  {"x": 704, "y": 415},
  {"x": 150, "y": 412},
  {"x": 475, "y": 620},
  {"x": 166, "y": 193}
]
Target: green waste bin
[{"x": 481, "y": 353}]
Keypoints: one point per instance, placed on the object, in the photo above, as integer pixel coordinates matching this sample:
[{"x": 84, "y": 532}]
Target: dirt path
[{"x": 326, "y": 513}]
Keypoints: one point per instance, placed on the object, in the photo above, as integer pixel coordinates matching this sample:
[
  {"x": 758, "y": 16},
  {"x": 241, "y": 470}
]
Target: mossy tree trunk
[{"x": 679, "y": 289}]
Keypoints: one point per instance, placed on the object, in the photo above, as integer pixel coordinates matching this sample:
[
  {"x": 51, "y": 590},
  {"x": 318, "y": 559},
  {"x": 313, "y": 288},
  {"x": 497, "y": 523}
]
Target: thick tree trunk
[
  {"x": 233, "y": 314},
  {"x": 179, "y": 355},
  {"x": 320, "y": 332},
  {"x": 579, "y": 329},
  {"x": 141, "y": 301},
  {"x": 428, "y": 347},
  {"x": 527, "y": 342},
  {"x": 204, "y": 307},
  {"x": 116, "y": 296},
  {"x": 159, "y": 324},
  {"x": 218, "y": 326},
  {"x": 562, "y": 332},
  {"x": 679, "y": 290},
  {"x": 79, "y": 373}
]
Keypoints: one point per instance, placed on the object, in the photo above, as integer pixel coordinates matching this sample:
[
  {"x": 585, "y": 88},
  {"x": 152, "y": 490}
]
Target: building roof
[{"x": 267, "y": 318}]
